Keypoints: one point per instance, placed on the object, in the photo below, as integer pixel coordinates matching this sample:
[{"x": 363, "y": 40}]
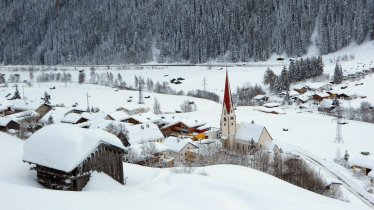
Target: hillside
[
  {"x": 110, "y": 31},
  {"x": 225, "y": 187}
]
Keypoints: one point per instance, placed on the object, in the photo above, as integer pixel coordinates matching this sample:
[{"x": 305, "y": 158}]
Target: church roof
[{"x": 227, "y": 100}]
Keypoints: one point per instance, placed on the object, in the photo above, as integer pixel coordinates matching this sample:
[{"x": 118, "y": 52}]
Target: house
[
  {"x": 302, "y": 98},
  {"x": 6, "y": 123},
  {"x": 64, "y": 156},
  {"x": 119, "y": 129},
  {"x": 326, "y": 105},
  {"x": 181, "y": 127},
  {"x": 39, "y": 107},
  {"x": 361, "y": 164},
  {"x": 149, "y": 154},
  {"x": 56, "y": 114},
  {"x": 142, "y": 118},
  {"x": 271, "y": 105},
  {"x": 178, "y": 148},
  {"x": 25, "y": 116},
  {"x": 142, "y": 133},
  {"x": 73, "y": 118},
  {"x": 318, "y": 97},
  {"x": 120, "y": 116},
  {"x": 132, "y": 109},
  {"x": 260, "y": 98},
  {"x": 300, "y": 89},
  {"x": 318, "y": 86},
  {"x": 332, "y": 186},
  {"x": 241, "y": 137}
]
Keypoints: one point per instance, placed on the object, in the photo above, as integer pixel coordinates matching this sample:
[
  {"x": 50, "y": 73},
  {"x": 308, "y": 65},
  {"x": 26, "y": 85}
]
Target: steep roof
[
  {"x": 175, "y": 144},
  {"x": 142, "y": 133},
  {"x": 4, "y": 121},
  {"x": 227, "y": 100},
  {"x": 147, "y": 117},
  {"x": 72, "y": 118},
  {"x": 64, "y": 146},
  {"x": 249, "y": 131},
  {"x": 119, "y": 115}
]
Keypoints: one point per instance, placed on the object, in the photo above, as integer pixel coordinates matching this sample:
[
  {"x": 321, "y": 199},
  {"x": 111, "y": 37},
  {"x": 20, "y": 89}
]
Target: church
[{"x": 241, "y": 137}]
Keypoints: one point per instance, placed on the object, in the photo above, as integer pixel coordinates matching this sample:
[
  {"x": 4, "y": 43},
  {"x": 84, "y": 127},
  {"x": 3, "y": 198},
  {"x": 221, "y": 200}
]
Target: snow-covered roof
[
  {"x": 303, "y": 98},
  {"x": 20, "y": 104},
  {"x": 175, "y": 144},
  {"x": 259, "y": 97},
  {"x": 22, "y": 115},
  {"x": 102, "y": 124},
  {"x": 147, "y": 117},
  {"x": 317, "y": 85},
  {"x": 293, "y": 93},
  {"x": 57, "y": 113},
  {"x": 362, "y": 162},
  {"x": 191, "y": 123},
  {"x": 298, "y": 87},
  {"x": 94, "y": 116},
  {"x": 137, "y": 149},
  {"x": 248, "y": 132},
  {"x": 4, "y": 121},
  {"x": 65, "y": 146},
  {"x": 326, "y": 103},
  {"x": 271, "y": 105},
  {"x": 133, "y": 107},
  {"x": 72, "y": 118},
  {"x": 142, "y": 133},
  {"x": 322, "y": 95},
  {"x": 371, "y": 174},
  {"x": 119, "y": 115}
]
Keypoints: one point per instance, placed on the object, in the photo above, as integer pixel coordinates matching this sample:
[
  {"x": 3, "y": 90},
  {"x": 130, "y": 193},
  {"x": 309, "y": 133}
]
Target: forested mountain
[{"x": 137, "y": 31}]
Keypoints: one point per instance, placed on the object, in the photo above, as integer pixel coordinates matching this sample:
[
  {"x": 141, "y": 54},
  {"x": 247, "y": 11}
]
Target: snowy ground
[
  {"x": 225, "y": 187},
  {"x": 239, "y": 188}
]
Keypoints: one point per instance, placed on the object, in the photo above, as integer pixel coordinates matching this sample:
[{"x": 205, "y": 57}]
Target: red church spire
[{"x": 227, "y": 101}]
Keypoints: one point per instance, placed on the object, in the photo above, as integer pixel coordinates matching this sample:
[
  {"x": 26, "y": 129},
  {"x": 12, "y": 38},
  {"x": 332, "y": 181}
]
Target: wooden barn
[
  {"x": 64, "y": 156},
  {"x": 7, "y": 123}
]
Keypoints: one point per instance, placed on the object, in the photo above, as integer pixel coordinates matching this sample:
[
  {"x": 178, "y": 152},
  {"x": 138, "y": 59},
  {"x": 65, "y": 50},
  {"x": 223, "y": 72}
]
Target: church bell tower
[{"x": 228, "y": 118}]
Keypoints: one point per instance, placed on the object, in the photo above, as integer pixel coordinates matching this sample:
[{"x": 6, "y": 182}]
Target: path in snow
[{"x": 329, "y": 169}]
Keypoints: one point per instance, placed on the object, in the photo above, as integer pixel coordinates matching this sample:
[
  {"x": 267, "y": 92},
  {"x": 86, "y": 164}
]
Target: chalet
[
  {"x": 361, "y": 164},
  {"x": 181, "y": 127},
  {"x": 7, "y": 123},
  {"x": 65, "y": 162},
  {"x": 178, "y": 148},
  {"x": 132, "y": 109},
  {"x": 152, "y": 153},
  {"x": 326, "y": 105},
  {"x": 142, "y": 133},
  {"x": 117, "y": 128},
  {"x": 120, "y": 116},
  {"x": 73, "y": 118},
  {"x": 318, "y": 86},
  {"x": 41, "y": 108},
  {"x": 300, "y": 89},
  {"x": 56, "y": 113},
  {"x": 271, "y": 105},
  {"x": 25, "y": 116},
  {"x": 318, "y": 97},
  {"x": 260, "y": 98},
  {"x": 302, "y": 98},
  {"x": 142, "y": 118},
  {"x": 332, "y": 185}
]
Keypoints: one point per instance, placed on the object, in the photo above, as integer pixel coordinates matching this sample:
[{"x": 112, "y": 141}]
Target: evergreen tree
[
  {"x": 50, "y": 120},
  {"x": 285, "y": 83},
  {"x": 46, "y": 98},
  {"x": 346, "y": 156},
  {"x": 338, "y": 74},
  {"x": 157, "y": 107}
]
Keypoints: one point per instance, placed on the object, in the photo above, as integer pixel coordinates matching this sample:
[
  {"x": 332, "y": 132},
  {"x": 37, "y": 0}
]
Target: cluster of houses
[{"x": 359, "y": 72}]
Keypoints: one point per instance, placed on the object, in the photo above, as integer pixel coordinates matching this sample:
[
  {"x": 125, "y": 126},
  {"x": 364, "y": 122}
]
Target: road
[{"x": 354, "y": 188}]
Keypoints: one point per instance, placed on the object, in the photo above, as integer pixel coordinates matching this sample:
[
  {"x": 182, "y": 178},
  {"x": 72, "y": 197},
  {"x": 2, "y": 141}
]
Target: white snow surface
[
  {"x": 225, "y": 187},
  {"x": 64, "y": 146},
  {"x": 248, "y": 131}
]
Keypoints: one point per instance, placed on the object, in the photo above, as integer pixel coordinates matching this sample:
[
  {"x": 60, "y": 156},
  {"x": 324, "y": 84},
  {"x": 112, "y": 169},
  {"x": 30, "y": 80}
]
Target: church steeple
[
  {"x": 227, "y": 100},
  {"x": 228, "y": 118}
]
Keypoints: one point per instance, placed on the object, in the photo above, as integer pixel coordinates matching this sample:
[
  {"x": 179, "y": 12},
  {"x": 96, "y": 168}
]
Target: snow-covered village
[{"x": 223, "y": 105}]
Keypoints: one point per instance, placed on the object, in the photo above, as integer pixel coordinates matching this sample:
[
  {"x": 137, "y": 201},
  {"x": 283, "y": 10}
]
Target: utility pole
[
  {"x": 205, "y": 83},
  {"x": 339, "y": 137},
  {"x": 88, "y": 104}
]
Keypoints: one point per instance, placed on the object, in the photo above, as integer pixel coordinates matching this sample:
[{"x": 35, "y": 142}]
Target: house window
[
  {"x": 224, "y": 119},
  {"x": 224, "y": 124},
  {"x": 232, "y": 118}
]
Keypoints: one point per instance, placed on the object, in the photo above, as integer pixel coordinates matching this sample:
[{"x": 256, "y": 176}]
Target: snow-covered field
[{"x": 225, "y": 187}]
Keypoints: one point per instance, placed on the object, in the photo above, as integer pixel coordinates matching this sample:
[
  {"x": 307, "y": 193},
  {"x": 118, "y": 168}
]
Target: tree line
[{"x": 112, "y": 32}]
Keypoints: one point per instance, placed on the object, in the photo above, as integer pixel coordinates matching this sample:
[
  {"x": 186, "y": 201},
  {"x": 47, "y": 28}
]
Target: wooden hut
[{"x": 64, "y": 156}]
